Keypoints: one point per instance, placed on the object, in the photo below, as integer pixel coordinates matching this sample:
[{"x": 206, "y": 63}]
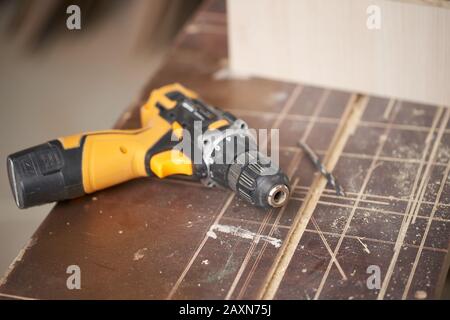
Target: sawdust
[
  {"x": 365, "y": 217},
  {"x": 418, "y": 112},
  {"x": 443, "y": 153},
  {"x": 339, "y": 223},
  {"x": 406, "y": 151},
  {"x": 402, "y": 178},
  {"x": 352, "y": 183},
  {"x": 230, "y": 267}
]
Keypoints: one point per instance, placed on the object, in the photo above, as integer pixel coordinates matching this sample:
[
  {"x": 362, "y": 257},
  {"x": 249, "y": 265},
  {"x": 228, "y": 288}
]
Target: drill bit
[{"x": 319, "y": 165}]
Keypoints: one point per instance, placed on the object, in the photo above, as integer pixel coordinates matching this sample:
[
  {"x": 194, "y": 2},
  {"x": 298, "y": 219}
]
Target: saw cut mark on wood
[
  {"x": 409, "y": 216},
  {"x": 349, "y": 122}
]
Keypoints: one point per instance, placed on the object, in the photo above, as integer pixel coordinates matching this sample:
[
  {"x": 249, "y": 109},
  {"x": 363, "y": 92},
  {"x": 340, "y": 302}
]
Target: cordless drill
[{"x": 180, "y": 135}]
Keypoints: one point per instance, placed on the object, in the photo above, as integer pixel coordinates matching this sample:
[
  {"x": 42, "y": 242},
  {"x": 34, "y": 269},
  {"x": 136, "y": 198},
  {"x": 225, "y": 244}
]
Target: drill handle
[{"x": 75, "y": 165}]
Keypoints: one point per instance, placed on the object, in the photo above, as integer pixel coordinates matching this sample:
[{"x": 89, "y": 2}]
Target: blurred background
[{"x": 55, "y": 81}]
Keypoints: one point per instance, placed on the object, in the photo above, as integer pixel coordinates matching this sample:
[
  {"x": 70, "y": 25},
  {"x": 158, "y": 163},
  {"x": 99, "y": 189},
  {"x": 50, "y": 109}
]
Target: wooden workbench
[{"x": 158, "y": 239}]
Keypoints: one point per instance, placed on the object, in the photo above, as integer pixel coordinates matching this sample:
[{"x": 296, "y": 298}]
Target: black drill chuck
[
  {"x": 236, "y": 163},
  {"x": 259, "y": 181}
]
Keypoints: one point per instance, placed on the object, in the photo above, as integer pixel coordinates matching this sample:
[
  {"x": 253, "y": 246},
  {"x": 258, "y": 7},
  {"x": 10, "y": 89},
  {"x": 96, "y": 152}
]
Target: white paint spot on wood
[
  {"x": 420, "y": 294},
  {"x": 211, "y": 234},
  {"x": 242, "y": 233},
  {"x": 138, "y": 255}
]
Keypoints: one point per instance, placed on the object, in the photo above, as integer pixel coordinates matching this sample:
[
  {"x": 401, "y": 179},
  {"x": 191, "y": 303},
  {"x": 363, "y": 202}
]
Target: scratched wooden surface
[{"x": 149, "y": 239}]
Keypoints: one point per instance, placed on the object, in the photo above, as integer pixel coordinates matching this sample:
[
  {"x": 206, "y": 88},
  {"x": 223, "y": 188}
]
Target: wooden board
[
  {"x": 150, "y": 239},
  {"x": 328, "y": 43}
]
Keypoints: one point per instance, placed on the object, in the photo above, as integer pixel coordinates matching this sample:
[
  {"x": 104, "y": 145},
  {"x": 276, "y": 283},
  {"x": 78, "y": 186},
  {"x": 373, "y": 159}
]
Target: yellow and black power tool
[{"x": 180, "y": 135}]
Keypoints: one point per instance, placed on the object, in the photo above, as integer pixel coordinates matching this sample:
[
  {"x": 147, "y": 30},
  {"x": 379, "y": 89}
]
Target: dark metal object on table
[{"x": 319, "y": 165}]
